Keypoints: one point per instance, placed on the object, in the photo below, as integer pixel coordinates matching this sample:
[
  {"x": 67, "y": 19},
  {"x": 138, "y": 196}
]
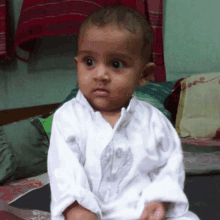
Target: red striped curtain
[
  {"x": 155, "y": 17},
  {"x": 41, "y": 18},
  {"x": 5, "y": 52}
]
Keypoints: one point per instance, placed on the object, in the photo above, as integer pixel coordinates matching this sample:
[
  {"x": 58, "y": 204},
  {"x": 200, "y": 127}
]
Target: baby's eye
[
  {"x": 88, "y": 61},
  {"x": 116, "y": 64}
]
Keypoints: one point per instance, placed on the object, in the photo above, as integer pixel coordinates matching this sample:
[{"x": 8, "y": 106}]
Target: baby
[{"x": 112, "y": 156}]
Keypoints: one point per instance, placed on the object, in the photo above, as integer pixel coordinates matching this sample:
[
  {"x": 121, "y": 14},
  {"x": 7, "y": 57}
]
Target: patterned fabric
[
  {"x": 5, "y": 52},
  {"x": 41, "y": 18},
  {"x": 14, "y": 190},
  {"x": 155, "y": 13}
]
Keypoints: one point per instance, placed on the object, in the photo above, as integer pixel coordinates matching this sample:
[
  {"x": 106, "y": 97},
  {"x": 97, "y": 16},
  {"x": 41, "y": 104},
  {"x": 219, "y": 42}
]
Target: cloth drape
[
  {"x": 41, "y": 18},
  {"x": 155, "y": 17},
  {"x": 5, "y": 46}
]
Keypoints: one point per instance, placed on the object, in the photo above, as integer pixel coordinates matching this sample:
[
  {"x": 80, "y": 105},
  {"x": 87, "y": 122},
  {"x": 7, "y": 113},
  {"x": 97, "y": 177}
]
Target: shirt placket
[{"x": 116, "y": 162}]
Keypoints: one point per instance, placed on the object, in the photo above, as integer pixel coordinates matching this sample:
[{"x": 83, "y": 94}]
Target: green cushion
[
  {"x": 23, "y": 150},
  {"x": 47, "y": 123},
  {"x": 153, "y": 93}
]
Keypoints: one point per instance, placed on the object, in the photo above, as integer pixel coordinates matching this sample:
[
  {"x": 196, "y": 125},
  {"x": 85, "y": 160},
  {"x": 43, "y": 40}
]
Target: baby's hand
[{"x": 153, "y": 211}]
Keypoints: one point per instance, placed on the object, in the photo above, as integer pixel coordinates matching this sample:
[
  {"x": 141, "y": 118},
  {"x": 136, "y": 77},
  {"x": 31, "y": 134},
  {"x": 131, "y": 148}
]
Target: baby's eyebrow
[{"x": 110, "y": 54}]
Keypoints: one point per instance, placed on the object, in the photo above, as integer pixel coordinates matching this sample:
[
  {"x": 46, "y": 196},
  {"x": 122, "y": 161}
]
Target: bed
[{"x": 29, "y": 197}]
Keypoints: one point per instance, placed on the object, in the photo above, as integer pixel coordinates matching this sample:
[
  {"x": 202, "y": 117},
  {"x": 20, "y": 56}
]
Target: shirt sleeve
[
  {"x": 167, "y": 181},
  {"x": 68, "y": 180}
]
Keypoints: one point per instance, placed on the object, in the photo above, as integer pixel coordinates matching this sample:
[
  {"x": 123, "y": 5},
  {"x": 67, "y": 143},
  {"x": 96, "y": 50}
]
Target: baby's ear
[
  {"x": 146, "y": 75},
  {"x": 143, "y": 81},
  {"x": 76, "y": 60}
]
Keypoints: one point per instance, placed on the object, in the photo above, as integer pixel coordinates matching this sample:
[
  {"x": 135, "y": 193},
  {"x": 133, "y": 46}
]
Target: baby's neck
[{"x": 111, "y": 117}]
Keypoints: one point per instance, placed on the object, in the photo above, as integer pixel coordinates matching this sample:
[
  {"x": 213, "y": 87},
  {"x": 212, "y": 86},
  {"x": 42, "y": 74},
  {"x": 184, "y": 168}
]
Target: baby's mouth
[{"x": 101, "y": 92}]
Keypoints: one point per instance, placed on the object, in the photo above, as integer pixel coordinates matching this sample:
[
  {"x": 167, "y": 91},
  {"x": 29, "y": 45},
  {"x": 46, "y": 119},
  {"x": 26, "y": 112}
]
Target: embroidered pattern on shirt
[{"x": 109, "y": 187}]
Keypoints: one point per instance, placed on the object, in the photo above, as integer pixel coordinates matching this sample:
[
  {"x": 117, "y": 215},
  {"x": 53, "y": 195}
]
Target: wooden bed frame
[{"x": 15, "y": 115}]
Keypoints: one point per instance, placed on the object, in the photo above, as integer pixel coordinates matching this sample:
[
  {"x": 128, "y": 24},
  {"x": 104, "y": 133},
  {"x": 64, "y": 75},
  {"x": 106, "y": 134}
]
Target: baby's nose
[{"x": 102, "y": 72}]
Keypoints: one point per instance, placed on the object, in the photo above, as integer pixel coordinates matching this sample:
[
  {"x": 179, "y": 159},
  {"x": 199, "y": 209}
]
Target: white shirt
[{"x": 113, "y": 172}]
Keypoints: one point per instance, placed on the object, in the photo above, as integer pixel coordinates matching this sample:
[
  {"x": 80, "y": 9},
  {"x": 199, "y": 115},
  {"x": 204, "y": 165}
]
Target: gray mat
[{"x": 201, "y": 159}]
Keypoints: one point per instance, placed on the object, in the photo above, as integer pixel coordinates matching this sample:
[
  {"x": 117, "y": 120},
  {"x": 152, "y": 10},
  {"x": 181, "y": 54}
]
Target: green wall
[
  {"x": 192, "y": 37},
  {"x": 191, "y": 46}
]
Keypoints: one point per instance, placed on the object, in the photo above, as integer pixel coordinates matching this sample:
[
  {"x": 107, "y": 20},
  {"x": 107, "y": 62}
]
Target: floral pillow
[{"x": 198, "y": 114}]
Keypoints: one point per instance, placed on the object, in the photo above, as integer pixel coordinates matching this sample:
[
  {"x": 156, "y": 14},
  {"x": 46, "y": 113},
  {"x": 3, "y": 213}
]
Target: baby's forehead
[
  {"x": 128, "y": 37},
  {"x": 129, "y": 42},
  {"x": 112, "y": 25}
]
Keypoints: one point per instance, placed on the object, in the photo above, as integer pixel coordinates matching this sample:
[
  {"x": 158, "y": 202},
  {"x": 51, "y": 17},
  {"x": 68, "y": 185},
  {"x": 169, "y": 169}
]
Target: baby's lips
[{"x": 100, "y": 89}]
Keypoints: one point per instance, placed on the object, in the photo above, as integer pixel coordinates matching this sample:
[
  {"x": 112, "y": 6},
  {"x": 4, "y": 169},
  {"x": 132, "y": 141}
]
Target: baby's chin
[
  {"x": 104, "y": 105},
  {"x": 103, "y": 109},
  {"x": 106, "y": 108}
]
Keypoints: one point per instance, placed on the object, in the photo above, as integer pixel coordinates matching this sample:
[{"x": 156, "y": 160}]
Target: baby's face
[{"x": 108, "y": 58}]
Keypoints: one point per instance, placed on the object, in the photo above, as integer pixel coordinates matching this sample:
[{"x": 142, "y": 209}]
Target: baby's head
[{"x": 110, "y": 35}]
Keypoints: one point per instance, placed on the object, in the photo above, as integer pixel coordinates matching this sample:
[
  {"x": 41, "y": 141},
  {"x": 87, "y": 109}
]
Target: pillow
[
  {"x": 198, "y": 114},
  {"x": 47, "y": 122},
  {"x": 172, "y": 100},
  {"x": 23, "y": 150}
]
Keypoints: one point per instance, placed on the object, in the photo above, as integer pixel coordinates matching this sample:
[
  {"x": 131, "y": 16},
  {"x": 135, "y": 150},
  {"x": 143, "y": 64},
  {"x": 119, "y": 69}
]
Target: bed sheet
[{"x": 14, "y": 190}]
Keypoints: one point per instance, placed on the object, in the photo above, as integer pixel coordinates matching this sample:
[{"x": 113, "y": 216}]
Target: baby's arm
[
  {"x": 78, "y": 212},
  {"x": 68, "y": 179},
  {"x": 167, "y": 179}
]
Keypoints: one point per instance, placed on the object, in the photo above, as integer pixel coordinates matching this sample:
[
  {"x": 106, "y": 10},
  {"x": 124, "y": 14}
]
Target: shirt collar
[{"x": 83, "y": 101}]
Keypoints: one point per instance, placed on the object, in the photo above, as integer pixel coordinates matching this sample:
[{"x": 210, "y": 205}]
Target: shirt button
[
  {"x": 119, "y": 153},
  {"x": 114, "y": 177}
]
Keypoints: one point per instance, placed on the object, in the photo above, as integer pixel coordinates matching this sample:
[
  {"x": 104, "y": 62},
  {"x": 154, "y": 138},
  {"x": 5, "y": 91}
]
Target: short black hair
[{"x": 123, "y": 17}]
